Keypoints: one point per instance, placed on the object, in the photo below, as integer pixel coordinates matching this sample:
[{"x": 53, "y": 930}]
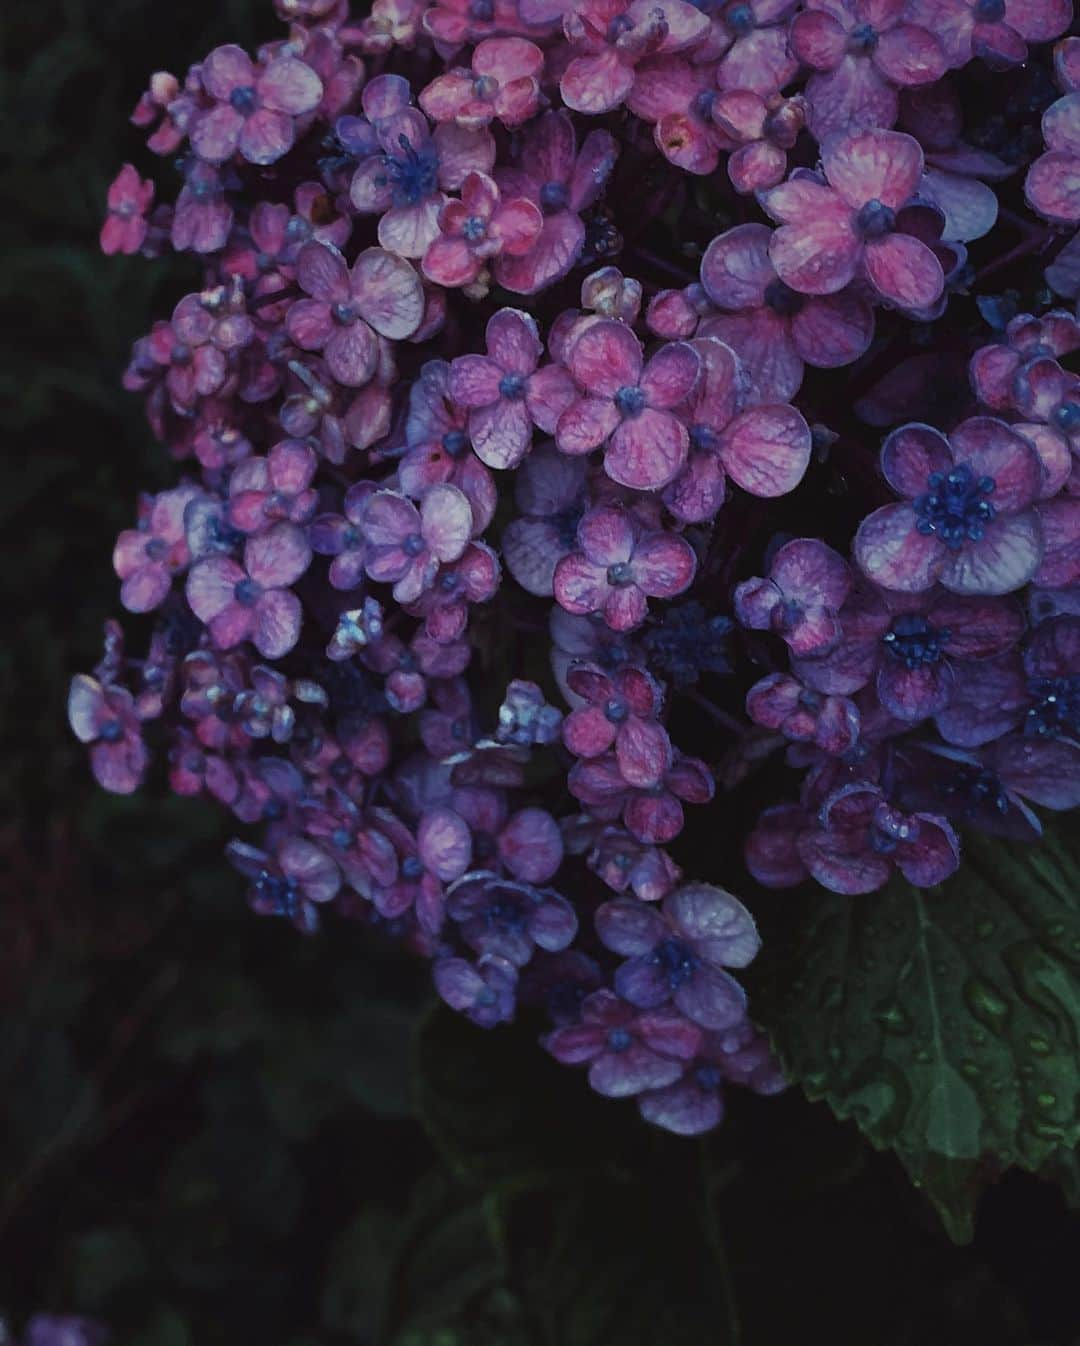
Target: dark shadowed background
[{"x": 216, "y": 1131}]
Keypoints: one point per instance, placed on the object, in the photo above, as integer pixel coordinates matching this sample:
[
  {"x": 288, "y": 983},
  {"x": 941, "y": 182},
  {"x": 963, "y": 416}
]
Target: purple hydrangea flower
[
  {"x": 680, "y": 951},
  {"x": 505, "y": 391},
  {"x": 380, "y": 294},
  {"x": 627, "y": 1051},
  {"x": 509, "y": 919},
  {"x": 968, "y": 521},
  {"x": 615, "y": 569},
  {"x": 253, "y": 601},
  {"x": 105, "y": 717},
  {"x": 255, "y": 107},
  {"x": 293, "y": 882}
]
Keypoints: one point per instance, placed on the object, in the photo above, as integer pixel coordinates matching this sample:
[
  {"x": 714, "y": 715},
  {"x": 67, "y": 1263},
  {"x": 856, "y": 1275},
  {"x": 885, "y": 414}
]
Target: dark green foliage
[{"x": 947, "y": 1022}]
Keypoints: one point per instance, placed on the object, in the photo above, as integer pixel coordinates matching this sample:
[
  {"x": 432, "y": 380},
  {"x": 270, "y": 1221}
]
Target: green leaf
[
  {"x": 101, "y": 1262},
  {"x": 946, "y": 1022},
  {"x": 358, "y": 1274}
]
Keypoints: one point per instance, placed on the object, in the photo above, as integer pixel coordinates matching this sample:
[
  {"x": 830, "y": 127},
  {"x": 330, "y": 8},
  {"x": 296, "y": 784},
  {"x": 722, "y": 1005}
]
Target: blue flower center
[
  {"x": 481, "y": 11},
  {"x": 243, "y": 100},
  {"x": 621, "y": 23},
  {"x": 282, "y": 893},
  {"x": 875, "y": 219},
  {"x": 204, "y": 189},
  {"x": 247, "y": 593},
  {"x": 341, "y": 837},
  {"x": 485, "y": 87},
  {"x": 618, "y": 1040},
  {"x": 702, "y": 105},
  {"x": 620, "y": 574},
  {"x": 1067, "y": 417},
  {"x": 616, "y": 711},
  {"x": 782, "y": 299},
  {"x": 112, "y": 731},
  {"x": 709, "y": 1078},
  {"x": 413, "y": 174},
  {"x": 512, "y": 387},
  {"x": 413, "y": 545},
  {"x": 977, "y": 786},
  {"x": 412, "y": 867},
  {"x": 507, "y": 914},
  {"x": 344, "y": 314},
  {"x": 674, "y": 961},
  {"x": 955, "y": 506},
  {"x": 155, "y": 549},
  {"x": 862, "y": 39},
  {"x": 474, "y": 229},
  {"x": 990, "y": 11},
  {"x": 566, "y": 526},
  {"x": 298, "y": 230},
  {"x": 689, "y": 643},
  {"x": 630, "y": 401},
  {"x": 454, "y": 442},
  {"x": 554, "y": 197},
  {"x": 704, "y": 439},
  {"x": 914, "y": 642},
  {"x": 1056, "y": 712},
  {"x": 740, "y": 20}
]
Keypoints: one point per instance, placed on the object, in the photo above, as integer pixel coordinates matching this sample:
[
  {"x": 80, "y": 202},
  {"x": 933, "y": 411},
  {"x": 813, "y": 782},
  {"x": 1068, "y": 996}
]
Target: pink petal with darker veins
[
  {"x": 736, "y": 270},
  {"x": 447, "y": 521},
  {"x": 909, "y": 55},
  {"x": 647, "y": 451},
  {"x": 851, "y": 97},
  {"x": 474, "y": 381},
  {"x": 605, "y": 358},
  {"x": 1003, "y": 560},
  {"x": 352, "y": 354},
  {"x": 606, "y": 535},
  {"x": 625, "y": 608},
  {"x": 762, "y": 341},
  {"x": 818, "y": 254},
  {"x": 873, "y": 165},
  {"x": 277, "y": 557},
  {"x": 321, "y": 272},
  {"x": 671, "y": 375},
  {"x": 549, "y": 392},
  {"x": 755, "y": 168},
  {"x": 553, "y": 254},
  {"x": 760, "y": 61},
  {"x": 664, "y": 565},
  {"x": 513, "y": 341},
  {"x": 992, "y": 449},
  {"x": 890, "y": 550},
  {"x": 225, "y": 69},
  {"x": 278, "y": 618},
  {"x": 501, "y": 434},
  {"x": 530, "y": 845},
  {"x": 288, "y": 85},
  {"x": 910, "y": 454},
  {"x": 388, "y": 293},
  {"x": 767, "y": 450},
  {"x": 832, "y": 330},
  {"x": 818, "y": 40},
  {"x": 596, "y": 84},
  {"x": 585, "y": 424},
  {"x": 266, "y": 136},
  {"x": 904, "y": 271},
  {"x": 913, "y": 694},
  {"x": 698, "y": 492},
  {"x": 1052, "y": 187}
]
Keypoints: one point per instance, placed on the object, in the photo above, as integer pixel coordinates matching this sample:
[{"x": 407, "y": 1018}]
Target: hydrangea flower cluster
[{"x": 467, "y": 510}]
